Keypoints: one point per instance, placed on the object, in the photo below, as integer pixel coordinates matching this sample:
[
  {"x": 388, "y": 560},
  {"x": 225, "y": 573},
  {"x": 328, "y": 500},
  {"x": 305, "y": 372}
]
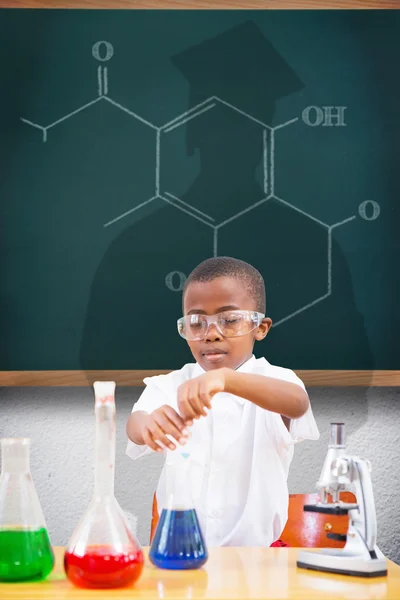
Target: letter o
[
  {"x": 175, "y": 277},
  {"x": 109, "y": 51},
  {"x": 376, "y": 210}
]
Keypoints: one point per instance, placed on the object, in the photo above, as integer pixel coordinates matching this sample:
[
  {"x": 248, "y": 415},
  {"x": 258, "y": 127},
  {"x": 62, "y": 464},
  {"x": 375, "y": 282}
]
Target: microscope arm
[{"x": 363, "y": 518}]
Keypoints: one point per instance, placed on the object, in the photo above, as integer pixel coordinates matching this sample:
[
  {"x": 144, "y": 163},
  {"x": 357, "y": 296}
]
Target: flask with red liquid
[
  {"x": 103, "y": 552},
  {"x": 25, "y": 549}
]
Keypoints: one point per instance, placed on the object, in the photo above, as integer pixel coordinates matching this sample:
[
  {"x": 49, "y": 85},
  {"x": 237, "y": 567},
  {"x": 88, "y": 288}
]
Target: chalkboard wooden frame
[
  {"x": 135, "y": 378},
  {"x": 313, "y": 378},
  {"x": 204, "y": 4}
]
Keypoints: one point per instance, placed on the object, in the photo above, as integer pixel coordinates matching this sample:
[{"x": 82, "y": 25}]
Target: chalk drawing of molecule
[{"x": 312, "y": 116}]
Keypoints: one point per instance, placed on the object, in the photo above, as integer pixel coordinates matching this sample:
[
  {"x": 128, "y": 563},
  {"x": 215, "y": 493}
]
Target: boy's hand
[
  {"x": 160, "y": 423},
  {"x": 195, "y": 394}
]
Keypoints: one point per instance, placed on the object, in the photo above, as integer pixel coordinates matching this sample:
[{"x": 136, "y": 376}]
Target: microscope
[{"x": 341, "y": 472}]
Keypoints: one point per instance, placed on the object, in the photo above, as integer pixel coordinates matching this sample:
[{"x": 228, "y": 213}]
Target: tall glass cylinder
[{"x": 103, "y": 552}]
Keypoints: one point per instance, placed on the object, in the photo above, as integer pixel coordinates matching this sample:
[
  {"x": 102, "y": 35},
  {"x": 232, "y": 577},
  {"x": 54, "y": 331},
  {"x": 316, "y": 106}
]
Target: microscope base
[{"x": 343, "y": 563}]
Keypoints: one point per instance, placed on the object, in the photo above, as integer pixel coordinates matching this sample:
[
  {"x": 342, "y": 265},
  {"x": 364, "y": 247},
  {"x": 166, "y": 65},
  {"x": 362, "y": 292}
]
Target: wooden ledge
[
  {"x": 204, "y": 4},
  {"x": 135, "y": 378}
]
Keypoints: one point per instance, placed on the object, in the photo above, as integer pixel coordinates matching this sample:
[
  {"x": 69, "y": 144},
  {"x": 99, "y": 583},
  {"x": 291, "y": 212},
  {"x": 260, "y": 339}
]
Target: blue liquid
[{"x": 178, "y": 542}]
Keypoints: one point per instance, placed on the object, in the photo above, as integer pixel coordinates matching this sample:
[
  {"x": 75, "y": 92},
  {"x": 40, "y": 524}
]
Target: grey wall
[{"x": 60, "y": 422}]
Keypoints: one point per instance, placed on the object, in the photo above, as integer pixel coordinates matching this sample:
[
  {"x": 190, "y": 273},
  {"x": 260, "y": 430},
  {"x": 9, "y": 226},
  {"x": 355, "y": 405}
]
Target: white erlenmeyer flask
[
  {"x": 103, "y": 552},
  {"x": 178, "y": 542},
  {"x": 25, "y": 549}
]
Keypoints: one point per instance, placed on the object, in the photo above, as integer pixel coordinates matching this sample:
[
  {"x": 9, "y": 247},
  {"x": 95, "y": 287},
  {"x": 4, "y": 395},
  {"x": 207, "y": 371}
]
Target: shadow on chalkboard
[
  {"x": 383, "y": 57},
  {"x": 132, "y": 312}
]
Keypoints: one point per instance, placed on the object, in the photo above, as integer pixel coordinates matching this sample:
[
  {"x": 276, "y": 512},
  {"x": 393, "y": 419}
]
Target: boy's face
[{"x": 210, "y": 298}]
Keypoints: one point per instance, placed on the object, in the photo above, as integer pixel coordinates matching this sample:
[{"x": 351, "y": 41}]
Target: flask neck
[
  {"x": 104, "y": 449},
  {"x": 15, "y": 456},
  {"x": 178, "y": 484}
]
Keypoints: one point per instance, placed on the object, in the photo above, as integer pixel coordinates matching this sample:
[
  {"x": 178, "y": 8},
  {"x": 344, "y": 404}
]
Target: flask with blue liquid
[{"x": 178, "y": 542}]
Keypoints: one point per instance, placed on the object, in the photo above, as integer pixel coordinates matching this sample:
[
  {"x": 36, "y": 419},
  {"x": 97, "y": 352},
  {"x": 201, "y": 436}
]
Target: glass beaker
[
  {"x": 178, "y": 542},
  {"x": 25, "y": 549},
  {"x": 103, "y": 552}
]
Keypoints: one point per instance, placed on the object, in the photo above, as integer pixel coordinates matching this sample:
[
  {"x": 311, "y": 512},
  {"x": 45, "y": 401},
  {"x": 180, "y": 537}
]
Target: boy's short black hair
[{"x": 225, "y": 266}]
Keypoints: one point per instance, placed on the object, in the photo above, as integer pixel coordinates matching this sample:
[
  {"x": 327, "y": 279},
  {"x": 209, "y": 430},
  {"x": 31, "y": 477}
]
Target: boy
[{"x": 242, "y": 414}]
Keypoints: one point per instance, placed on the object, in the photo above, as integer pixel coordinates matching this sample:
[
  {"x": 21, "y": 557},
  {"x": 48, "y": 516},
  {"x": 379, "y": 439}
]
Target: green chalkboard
[{"x": 135, "y": 144}]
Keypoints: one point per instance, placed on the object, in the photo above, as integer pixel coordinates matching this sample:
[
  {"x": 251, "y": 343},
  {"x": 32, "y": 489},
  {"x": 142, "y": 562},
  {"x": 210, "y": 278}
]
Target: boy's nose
[{"x": 213, "y": 334}]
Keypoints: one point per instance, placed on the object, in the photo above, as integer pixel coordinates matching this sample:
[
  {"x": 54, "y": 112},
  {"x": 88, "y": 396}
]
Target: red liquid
[{"x": 100, "y": 567}]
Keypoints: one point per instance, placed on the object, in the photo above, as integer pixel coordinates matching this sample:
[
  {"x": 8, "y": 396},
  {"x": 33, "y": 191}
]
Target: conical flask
[
  {"x": 25, "y": 549},
  {"x": 103, "y": 552},
  {"x": 178, "y": 542}
]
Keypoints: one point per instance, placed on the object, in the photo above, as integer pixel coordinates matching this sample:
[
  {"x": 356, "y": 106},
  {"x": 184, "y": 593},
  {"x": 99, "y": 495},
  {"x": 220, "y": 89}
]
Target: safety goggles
[{"x": 231, "y": 323}]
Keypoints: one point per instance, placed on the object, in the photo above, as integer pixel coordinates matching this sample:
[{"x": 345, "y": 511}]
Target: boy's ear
[{"x": 263, "y": 329}]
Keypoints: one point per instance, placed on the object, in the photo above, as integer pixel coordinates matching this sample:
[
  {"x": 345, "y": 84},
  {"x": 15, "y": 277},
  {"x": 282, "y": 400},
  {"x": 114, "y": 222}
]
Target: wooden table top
[{"x": 230, "y": 573}]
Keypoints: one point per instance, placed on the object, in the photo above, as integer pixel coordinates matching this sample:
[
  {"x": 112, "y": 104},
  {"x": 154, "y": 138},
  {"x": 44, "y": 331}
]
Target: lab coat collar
[{"x": 246, "y": 367}]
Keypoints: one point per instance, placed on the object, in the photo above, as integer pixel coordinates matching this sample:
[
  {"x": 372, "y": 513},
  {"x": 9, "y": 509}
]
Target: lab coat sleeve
[{"x": 303, "y": 428}]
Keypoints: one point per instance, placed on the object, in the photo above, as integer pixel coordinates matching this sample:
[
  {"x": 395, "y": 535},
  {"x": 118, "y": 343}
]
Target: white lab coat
[{"x": 239, "y": 458}]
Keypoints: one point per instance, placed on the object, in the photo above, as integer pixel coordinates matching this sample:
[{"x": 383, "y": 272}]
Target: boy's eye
[
  {"x": 231, "y": 317},
  {"x": 196, "y": 322}
]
